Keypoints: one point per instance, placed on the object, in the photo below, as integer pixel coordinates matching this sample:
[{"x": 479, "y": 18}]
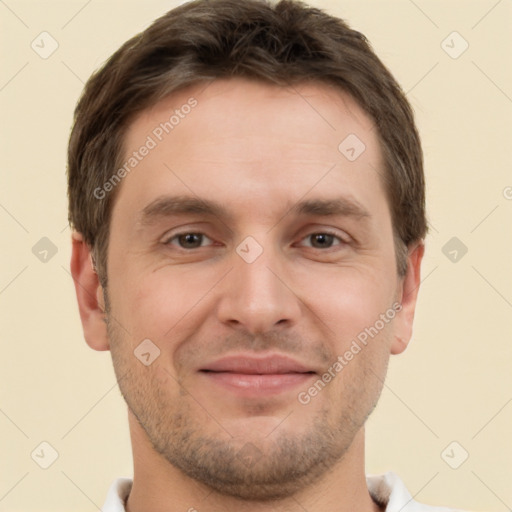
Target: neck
[{"x": 158, "y": 486}]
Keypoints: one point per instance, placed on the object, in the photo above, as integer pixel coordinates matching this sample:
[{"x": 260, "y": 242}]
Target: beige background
[{"x": 454, "y": 383}]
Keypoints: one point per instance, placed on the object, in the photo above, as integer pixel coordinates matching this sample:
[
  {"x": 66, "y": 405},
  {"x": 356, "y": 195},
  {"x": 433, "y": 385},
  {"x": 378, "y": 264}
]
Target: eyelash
[{"x": 176, "y": 236}]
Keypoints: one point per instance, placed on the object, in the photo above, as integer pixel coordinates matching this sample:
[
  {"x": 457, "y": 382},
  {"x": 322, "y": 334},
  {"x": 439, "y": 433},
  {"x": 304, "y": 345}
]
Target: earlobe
[
  {"x": 89, "y": 294},
  {"x": 409, "y": 292}
]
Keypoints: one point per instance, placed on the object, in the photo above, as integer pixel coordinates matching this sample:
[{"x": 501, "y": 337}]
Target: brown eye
[
  {"x": 321, "y": 240},
  {"x": 189, "y": 240}
]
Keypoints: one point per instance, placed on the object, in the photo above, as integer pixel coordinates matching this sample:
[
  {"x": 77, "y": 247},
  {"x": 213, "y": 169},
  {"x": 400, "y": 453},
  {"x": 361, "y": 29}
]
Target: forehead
[
  {"x": 231, "y": 108},
  {"x": 239, "y": 139}
]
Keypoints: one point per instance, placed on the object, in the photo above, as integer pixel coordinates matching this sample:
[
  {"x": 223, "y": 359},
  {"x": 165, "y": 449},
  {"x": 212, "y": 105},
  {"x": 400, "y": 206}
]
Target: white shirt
[{"x": 386, "y": 489}]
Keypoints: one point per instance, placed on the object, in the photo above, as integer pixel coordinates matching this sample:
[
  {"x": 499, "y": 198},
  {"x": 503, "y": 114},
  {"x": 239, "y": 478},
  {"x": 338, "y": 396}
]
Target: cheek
[
  {"x": 164, "y": 302},
  {"x": 348, "y": 300}
]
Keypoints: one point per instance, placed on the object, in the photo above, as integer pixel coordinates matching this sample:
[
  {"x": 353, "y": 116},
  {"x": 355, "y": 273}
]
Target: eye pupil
[
  {"x": 190, "y": 240},
  {"x": 322, "y": 240}
]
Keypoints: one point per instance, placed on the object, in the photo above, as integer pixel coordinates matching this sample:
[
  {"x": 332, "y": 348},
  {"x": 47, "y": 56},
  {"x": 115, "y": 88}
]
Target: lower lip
[{"x": 257, "y": 384}]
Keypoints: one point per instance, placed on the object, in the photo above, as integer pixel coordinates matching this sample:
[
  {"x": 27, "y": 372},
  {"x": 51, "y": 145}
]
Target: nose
[{"x": 258, "y": 297}]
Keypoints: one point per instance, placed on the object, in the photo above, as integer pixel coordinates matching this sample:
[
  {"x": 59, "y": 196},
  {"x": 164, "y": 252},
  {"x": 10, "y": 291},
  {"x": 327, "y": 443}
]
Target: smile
[{"x": 249, "y": 375}]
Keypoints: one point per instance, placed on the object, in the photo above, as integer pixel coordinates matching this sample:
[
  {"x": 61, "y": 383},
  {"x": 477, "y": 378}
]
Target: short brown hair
[{"x": 282, "y": 43}]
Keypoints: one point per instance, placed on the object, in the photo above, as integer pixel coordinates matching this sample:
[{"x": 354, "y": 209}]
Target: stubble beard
[{"x": 264, "y": 468}]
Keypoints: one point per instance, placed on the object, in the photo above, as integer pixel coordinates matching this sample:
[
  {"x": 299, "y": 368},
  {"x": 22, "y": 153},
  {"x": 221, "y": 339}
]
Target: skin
[{"x": 258, "y": 150}]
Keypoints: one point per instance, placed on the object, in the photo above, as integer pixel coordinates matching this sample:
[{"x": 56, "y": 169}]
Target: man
[{"x": 247, "y": 196}]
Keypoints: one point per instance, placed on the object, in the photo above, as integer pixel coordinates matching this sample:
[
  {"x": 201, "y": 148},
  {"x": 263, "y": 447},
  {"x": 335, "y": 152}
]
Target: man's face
[{"x": 252, "y": 252}]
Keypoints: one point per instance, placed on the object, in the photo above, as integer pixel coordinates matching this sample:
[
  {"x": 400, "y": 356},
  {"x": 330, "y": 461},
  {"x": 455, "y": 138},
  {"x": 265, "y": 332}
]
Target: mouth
[{"x": 248, "y": 375}]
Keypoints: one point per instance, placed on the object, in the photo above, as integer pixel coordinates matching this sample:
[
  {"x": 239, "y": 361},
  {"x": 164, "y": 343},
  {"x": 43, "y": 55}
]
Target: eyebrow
[
  {"x": 166, "y": 206},
  {"x": 344, "y": 207}
]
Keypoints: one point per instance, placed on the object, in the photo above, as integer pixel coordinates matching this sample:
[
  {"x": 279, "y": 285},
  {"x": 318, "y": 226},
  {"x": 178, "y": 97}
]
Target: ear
[
  {"x": 409, "y": 287},
  {"x": 89, "y": 294}
]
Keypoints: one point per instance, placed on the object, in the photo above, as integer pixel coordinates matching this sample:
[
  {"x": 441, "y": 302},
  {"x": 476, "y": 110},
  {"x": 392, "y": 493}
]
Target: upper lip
[{"x": 251, "y": 364}]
